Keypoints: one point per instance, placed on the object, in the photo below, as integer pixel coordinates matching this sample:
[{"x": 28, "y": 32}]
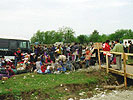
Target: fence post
[
  {"x": 99, "y": 56},
  {"x": 107, "y": 63},
  {"x": 125, "y": 74}
]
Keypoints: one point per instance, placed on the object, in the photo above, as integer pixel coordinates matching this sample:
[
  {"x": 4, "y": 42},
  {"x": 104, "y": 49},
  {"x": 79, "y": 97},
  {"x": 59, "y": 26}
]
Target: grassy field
[{"x": 49, "y": 86}]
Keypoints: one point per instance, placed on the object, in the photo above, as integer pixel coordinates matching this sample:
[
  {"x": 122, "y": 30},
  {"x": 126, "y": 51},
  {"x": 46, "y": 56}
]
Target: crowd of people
[
  {"x": 47, "y": 59},
  {"x": 60, "y": 58},
  {"x": 117, "y": 46}
]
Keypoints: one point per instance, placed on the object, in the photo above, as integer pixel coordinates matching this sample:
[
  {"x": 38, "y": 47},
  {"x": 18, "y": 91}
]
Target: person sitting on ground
[
  {"x": 38, "y": 65},
  {"x": 62, "y": 58},
  {"x": 43, "y": 67},
  {"x": 69, "y": 65},
  {"x": 59, "y": 50},
  {"x": 51, "y": 53},
  {"x": 82, "y": 58},
  {"x": 43, "y": 58},
  {"x": 3, "y": 62},
  {"x": 48, "y": 59}
]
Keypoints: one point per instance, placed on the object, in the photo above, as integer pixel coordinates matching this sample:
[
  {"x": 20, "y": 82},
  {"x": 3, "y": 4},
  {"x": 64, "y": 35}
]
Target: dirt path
[
  {"x": 129, "y": 68},
  {"x": 114, "y": 95}
]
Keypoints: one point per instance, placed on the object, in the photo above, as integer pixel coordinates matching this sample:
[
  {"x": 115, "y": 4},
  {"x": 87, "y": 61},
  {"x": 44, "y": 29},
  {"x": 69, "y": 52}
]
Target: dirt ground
[
  {"x": 129, "y": 68},
  {"x": 114, "y": 95}
]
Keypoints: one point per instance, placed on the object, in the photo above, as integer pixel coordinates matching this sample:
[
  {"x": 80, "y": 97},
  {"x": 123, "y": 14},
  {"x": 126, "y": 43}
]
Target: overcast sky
[{"x": 22, "y": 18}]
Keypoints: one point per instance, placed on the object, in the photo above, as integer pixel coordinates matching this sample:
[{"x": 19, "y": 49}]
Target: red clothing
[
  {"x": 88, "y": 55},
  {"x": 43, "y": 68},
  {"x": 11, "y": 65},
  {"x": 48, "y": 60},
  {"x": 18, "y": 51},
  {"x": 106, "y": 47},
  {"x": 87, "y": 52}
]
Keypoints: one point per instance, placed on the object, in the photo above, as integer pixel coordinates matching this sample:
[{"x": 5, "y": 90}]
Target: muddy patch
[
  {"x": 75, "y": 91},
  {"x": 34, "y": 95},
  {"x": 103, "y": 77},
  {"x": 71, "y": 87}
]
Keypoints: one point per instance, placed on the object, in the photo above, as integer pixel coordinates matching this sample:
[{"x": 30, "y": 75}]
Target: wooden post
[
  {"x": 125, "y": 74},
  {"x": 107, "y": 63},
  {"x": 99, "y": 56}
]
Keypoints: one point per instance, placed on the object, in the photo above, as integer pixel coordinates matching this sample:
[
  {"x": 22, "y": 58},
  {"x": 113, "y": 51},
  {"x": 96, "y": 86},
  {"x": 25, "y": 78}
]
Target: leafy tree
[
  {"x": 128, "y": 34},
  {"x": 82, "y": 39},
  {"x": 33, "y": 39},
  {"x": 121, "y": 34},
  {"x": 104, "y": 37},
  {"x": 58, "y": 37},
  {"x": 68, "y": 34},
  {"x": 38, "y": 37},
  {"x": 94, "y": 37},
  {"x": 49, "y": 37}
]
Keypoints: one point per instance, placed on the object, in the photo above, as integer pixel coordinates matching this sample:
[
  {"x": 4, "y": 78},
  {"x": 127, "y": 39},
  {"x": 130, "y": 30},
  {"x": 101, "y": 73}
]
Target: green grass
[
  {"x": 30, "y": 86},
  {"x": 18, "y": 84}
]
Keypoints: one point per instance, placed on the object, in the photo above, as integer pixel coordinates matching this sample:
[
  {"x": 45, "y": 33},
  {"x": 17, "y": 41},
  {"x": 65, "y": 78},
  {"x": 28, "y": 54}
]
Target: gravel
[{"x": 114, "y": 95}]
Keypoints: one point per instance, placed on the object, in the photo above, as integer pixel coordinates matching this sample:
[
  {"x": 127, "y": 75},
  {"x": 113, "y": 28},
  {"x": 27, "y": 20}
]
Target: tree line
[{"x": 67, "y": 35}]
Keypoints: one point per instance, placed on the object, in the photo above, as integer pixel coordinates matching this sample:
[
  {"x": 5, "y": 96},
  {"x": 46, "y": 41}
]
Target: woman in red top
[{"x": 106, "y": 47}]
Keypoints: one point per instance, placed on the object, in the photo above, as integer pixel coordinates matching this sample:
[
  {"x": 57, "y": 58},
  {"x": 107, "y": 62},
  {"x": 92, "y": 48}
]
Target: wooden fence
[{"x": 124, "y": 57}]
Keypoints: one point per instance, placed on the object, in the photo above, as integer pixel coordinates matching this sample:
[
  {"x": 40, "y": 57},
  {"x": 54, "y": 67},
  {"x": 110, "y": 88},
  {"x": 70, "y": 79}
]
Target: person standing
[
  {"x": 80, "y": 50},
  {"x": 130, "y": 49},
  {"x": 64, "y": 50},
  {"x": 17, "y": 56},
  {"x": 125, "y": 47},
  {"x": 112, "y": 44},
  {"x": 68, "y": 52},
  {"x": 106, "y": 47},
  {"x": 118, "y": 48},
  {"x": 87, "y": 57}
]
